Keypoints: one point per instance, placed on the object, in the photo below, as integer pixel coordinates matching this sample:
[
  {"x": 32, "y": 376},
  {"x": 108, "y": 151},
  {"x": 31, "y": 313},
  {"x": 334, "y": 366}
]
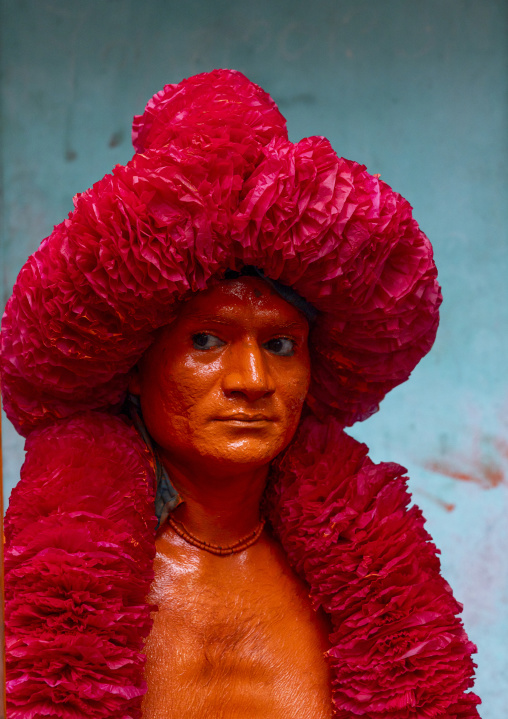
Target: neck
[{"x": 218, "y": 507}]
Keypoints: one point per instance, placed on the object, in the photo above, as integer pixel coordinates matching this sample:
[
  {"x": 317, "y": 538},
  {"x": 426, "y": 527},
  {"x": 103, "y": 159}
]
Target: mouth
[{"x": 245, "y": 417}]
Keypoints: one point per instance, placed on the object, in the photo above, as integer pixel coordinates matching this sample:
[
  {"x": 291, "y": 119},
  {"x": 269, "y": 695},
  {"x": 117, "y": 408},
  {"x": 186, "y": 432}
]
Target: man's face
[{"x": 222, "y": 387}]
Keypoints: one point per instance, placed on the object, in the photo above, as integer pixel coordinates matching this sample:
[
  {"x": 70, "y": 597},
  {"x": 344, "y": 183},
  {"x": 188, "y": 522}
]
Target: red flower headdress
[{"x": 216, "y": 185}]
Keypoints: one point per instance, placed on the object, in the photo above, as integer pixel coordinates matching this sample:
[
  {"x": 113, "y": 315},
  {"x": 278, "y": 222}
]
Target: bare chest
[{"x": 234, "y": 637}]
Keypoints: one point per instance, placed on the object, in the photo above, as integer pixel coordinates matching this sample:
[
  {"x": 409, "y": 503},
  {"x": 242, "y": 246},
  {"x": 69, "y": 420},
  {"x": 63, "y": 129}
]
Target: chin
[
  {"x": 226, "y": 451},
  {"x": 254, "y": 457},
  {"x": 252, "y": 454}
]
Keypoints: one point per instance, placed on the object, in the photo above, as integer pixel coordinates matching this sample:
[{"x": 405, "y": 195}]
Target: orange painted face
[{"x": 224, "y": 384}]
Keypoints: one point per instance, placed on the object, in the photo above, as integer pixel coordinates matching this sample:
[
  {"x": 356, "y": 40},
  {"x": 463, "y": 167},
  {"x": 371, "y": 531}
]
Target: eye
[
  {"x": 280, "y": 346},
  {"x": 204, "y": 341}
]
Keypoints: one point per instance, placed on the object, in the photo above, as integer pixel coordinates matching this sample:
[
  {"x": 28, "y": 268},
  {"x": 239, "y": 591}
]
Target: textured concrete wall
[{"x": 416, "y": 90}]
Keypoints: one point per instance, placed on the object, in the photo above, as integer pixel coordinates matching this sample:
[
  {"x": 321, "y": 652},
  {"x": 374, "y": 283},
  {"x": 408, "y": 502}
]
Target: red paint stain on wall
[
  {"x": 485, "y": 475},
  {"x": 447, "y": 506},
  {"x": 485, "y": 465}
]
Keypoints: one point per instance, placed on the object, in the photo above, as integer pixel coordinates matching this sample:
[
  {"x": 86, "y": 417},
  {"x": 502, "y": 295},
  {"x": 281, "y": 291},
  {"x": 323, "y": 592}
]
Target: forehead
[{"x": 242, "y": 301}]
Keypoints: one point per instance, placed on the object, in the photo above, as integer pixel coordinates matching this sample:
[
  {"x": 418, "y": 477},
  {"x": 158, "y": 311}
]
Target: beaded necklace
[{"x": 238, "y": 546}]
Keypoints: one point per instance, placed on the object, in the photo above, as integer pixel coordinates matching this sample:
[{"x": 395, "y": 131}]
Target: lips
[{"x": 245, "y": 417}]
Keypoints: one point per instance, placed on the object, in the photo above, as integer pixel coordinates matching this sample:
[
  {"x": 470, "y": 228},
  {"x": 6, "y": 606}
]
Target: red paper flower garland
[
  {"x": 79, "y": 558},
  {"x": 398, "y": 649},
  {"x": 79, "y": 551}
]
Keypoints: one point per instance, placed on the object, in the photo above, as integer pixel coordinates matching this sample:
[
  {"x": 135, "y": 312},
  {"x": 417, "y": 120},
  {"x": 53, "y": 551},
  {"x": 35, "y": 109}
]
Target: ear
[{"x": 135, "y": 381}]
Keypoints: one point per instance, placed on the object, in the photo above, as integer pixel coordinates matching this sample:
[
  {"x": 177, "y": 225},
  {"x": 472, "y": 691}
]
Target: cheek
[
  {"x": 167, "y": 415},
  {"x": 294, "y": 390},
  {"x": 175, "y": 403},
  {"x": 195, "y": 381}
]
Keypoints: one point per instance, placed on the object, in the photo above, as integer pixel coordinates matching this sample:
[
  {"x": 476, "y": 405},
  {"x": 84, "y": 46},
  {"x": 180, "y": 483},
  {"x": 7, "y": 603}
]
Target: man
[
  {"x": 222, "y": 389},
  {"x": 204, "y": 263}
]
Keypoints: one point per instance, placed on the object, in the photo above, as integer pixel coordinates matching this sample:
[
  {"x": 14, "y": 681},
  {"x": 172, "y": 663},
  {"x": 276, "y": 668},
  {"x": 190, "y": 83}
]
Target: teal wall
[{"x": 416, "y": 90}]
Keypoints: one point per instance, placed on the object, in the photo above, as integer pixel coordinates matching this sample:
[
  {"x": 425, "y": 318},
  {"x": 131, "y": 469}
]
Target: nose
[{"x": 247, "y": 374}]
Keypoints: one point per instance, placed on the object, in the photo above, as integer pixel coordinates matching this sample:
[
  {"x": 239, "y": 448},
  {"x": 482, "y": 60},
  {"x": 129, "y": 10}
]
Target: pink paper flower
[{"x": 218, "y": 186}]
